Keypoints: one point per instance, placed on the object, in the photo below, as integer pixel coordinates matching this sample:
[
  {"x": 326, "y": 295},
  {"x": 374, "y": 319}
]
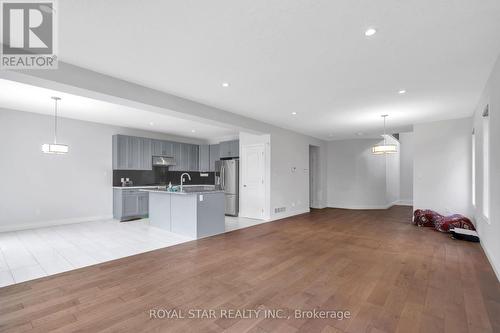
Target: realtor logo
[{"x": 28, "y": 35}]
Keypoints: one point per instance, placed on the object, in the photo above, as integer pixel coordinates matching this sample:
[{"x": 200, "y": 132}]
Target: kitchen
[
  {"x": 93, "y": 202},
  {"x": 183, "y": 188}
]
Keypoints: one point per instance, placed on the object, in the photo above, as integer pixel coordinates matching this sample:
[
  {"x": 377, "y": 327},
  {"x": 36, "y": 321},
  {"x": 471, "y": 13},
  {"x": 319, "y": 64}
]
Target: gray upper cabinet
[
  {"x": 193, "y": 158},
  {"x": 176, "y": 154},
  {"x": 134, "y": 153},
  {"x": 189, "y": 157},
  {"x": 224, "y": 149},
  {"x": 185, "y": 152},
  {"x": 229, "y": 149},
  {"x": 161, "y": 148},
  {"x": 214, "y": 156},
  {"x": 186, "y": 157},
  {"x": 204, "y": 158},
  {"x": 235, "y": 148},
  {"x": 120, "y": 152},
  {"x": 131, "y": 153},
  {"x": 145, "y": 159}
]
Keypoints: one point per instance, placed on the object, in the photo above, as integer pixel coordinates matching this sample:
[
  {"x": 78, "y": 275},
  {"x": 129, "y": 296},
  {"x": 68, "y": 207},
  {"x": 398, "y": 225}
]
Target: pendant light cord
[
  {"x": 55, "y": 123},
  {"x": 385, "y": 134},
  {"x": 56, "y": 99}
]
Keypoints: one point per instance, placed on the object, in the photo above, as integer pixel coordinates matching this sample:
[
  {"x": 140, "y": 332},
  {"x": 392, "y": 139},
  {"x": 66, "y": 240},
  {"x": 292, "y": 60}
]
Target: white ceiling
[
  {"x": 23, "y": 97},
  {"x": 284, "y": 56}
]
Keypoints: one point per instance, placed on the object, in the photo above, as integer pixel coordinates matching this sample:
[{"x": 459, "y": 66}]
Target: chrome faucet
[{"x": 182, "y": 178}]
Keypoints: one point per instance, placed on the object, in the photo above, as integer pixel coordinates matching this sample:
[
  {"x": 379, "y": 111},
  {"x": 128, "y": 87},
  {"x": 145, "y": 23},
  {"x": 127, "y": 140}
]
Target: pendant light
[
  {"x": 384, "y": 148},
  {"x": 55, "y": 148}
]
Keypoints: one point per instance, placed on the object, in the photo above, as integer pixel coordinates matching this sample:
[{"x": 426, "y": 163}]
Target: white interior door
[{"x": 253, "y": 192}]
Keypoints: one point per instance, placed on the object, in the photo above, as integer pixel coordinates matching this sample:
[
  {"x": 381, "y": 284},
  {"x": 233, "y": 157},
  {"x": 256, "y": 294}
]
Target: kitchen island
[{"x": 195, "y": 212}]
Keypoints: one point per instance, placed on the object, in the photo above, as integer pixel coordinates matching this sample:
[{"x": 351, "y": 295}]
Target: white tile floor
[
  {"x": 30, "y": 254},
  {"x": 233, "y": 223}
]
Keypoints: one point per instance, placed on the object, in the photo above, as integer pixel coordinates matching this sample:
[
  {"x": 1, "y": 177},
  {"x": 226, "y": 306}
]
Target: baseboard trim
[
  {"x": 52, "y": 223},
  {"x": 404, "y": 203},
  {"x": 363, "y": 207},
  {"x": 491, "y": 259},
  {"x": 290, "y": 214}
]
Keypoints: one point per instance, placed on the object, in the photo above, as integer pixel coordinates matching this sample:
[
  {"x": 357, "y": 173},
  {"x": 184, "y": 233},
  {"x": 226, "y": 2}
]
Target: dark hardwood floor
[{"x": 390, "y": 275}]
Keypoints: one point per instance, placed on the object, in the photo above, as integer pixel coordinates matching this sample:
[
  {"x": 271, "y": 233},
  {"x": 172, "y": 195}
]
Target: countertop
[
  {"x": 182, "y": 193},
  {"x": 135, "y": 187},
  {"x": 192, "y": 189}
]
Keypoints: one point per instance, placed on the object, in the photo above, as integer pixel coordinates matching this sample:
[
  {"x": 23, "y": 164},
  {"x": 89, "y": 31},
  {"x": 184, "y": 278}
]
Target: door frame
[
  {"x": 314, "y": 176},
  {"x": 243, "y": 149}
]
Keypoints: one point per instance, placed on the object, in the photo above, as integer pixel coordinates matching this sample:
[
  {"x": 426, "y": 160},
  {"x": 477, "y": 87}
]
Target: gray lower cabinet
[
  {"x": 131, "y": 153},
  {"x": 229, "y": 149},
  {"x": 143, "y": 203},
  {"x": 129, "y": 204},
  {"x": 194, "y": 215}
]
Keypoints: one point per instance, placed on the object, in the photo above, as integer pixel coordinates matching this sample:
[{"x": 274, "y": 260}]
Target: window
[
  {"x": 473, "y": 169},
  {"x": 486, "y": 163}
]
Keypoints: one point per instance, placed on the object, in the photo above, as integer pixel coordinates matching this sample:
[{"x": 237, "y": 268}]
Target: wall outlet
[{"x": 279, "y": 209}]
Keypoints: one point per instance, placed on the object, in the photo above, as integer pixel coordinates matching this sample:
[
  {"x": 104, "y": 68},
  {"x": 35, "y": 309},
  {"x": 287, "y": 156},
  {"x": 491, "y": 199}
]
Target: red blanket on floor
[{"x": 429, "y": 218}]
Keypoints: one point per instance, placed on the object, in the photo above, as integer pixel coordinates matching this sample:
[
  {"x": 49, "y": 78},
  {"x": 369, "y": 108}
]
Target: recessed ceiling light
[
  {"x": 225, "y": 84},
  {"x": 402, "y": 91},
  {"x": 370, "y": 32},
  {"x": 193, "y": 131},
  {"x": 151, "y": 123},
  {"x": 294, "y": 113},
  {"x": 359, "y": 133}
]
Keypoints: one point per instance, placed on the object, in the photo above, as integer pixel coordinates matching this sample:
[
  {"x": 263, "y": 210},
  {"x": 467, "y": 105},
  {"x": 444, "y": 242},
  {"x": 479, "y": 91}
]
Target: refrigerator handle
[{"x": 222, "y": 176}]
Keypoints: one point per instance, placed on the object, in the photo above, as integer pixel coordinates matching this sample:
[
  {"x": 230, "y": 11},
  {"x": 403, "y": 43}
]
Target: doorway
[
  {"x": 314, "y": 188},
  {"x": 253, "y": 181}
]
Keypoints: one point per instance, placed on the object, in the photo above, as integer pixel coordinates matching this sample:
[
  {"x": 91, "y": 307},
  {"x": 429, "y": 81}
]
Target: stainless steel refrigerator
[{"x": 227, "y": 178}]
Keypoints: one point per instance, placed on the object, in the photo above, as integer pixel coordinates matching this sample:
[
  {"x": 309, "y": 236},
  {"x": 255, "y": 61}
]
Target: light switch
[{"x": 201, "y": 197}]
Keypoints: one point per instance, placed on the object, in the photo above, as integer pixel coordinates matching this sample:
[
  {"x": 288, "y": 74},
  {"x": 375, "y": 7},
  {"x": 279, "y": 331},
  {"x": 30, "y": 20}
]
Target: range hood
[{"x": 163, "y": 161}]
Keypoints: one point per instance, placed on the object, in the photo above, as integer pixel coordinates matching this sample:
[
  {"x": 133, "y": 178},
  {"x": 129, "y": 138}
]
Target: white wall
[
  {"x": 442, "y": 166},
  {"x": 489, "y": 229},
  {"x": 290, "y": 172},
  {"x": 406, "y": 168},
  {"x": 356, "y": 177},
  {"x": 42, "y": 189}
]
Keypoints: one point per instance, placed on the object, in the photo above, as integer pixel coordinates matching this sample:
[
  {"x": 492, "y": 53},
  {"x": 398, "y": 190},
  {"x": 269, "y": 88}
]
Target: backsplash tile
[{"x": 161, "y": 176}]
